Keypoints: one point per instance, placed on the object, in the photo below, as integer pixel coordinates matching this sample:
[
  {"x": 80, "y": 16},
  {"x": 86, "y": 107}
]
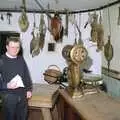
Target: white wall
[{"x": 40, "y": 63}]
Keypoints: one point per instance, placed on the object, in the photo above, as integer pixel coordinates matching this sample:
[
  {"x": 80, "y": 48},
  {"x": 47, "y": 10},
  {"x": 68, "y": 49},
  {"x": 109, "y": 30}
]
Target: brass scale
[{"x": 75, "y": 55}]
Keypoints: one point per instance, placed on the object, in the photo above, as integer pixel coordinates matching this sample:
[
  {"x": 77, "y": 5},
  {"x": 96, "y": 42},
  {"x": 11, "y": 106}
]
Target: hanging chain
[
  {"x": 109, "y": 22},
  {"x": 24, "y": 5},
  {"x": 80, "y": 24},
  {"x": 75, "y": 31},
  {"x": 100, "y": 19},
  {"x": 79, "y": 30},
  {"x": 34, "y": 23}
]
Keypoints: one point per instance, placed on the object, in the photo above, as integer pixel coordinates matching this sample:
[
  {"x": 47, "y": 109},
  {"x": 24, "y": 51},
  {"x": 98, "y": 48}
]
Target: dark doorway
[{"x": 3, "y": 36}]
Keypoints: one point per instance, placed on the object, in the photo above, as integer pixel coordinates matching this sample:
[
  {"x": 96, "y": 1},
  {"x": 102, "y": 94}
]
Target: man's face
[{"x": 13, "y": 48}]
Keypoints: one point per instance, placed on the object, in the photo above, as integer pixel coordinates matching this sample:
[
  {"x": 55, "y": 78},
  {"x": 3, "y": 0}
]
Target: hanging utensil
[
  {"x": 9, "y": 15},
  {"x": 108, "y": 48},
  {"x": 108, "y": 52},
  {"x": 34, "y": 44},
  {"x": 100, "y": 35},
  {"x": 23, "y": 20},
  {"x": 57, "y": 34},
  {"x": 94, "y": 24},
  {"x": 42, "y": 32},
  {"x": 56, "y": 27},
  {"x": 1, "y": 17}
]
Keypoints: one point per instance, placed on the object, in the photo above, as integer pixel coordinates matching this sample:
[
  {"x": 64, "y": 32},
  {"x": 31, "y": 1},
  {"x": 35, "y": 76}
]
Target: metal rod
[
  {"x": 60, "y": 11},
  {"x": 38, "y": 3}
]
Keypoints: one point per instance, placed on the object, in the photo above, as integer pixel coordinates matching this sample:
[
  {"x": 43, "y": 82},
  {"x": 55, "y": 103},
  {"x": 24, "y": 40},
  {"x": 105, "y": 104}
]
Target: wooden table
[
  {"x": 44, "y": 97},
  {"x": 97, "y": 106}
]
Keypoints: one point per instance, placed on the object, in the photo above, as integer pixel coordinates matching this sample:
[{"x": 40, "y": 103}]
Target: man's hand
[{"x": 29, "y": 94}]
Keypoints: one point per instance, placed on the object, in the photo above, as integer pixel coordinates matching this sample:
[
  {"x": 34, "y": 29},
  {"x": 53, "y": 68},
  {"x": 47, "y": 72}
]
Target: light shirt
[{"x": 7, "y": 54}]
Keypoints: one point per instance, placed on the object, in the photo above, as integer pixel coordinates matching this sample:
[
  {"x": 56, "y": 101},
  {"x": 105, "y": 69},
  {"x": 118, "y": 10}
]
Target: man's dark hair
[{"x": 14, "y": 39}]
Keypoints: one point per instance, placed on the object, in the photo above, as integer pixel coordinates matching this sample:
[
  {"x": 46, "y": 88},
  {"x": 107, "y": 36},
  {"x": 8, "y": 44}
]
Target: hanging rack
[{"x": 60, "y": 11}]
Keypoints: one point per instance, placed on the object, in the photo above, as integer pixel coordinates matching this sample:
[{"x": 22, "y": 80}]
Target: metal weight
[
  {"x": 108, "y": 50},
  {"x": 66, "y": 52}
]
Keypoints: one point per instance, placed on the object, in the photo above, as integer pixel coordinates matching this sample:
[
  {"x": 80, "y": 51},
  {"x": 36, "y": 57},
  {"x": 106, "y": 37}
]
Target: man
[{"x": 15, "y": 82}]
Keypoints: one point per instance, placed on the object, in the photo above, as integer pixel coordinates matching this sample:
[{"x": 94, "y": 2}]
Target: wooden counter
[
  {"x": 43, "y": 98},
  {"x": 97, "y": 106}
]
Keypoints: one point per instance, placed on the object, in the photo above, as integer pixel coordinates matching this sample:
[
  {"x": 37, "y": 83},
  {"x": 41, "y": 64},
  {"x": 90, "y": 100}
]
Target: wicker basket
[{"x": 52, "y": 74}]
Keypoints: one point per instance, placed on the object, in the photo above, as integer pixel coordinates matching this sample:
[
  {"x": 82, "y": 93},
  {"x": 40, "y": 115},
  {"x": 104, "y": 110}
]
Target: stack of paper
[{"x": 18, "y": 80}]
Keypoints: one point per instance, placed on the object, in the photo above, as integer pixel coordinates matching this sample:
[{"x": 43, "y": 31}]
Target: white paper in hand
[{"x": 18, "y": 80}]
